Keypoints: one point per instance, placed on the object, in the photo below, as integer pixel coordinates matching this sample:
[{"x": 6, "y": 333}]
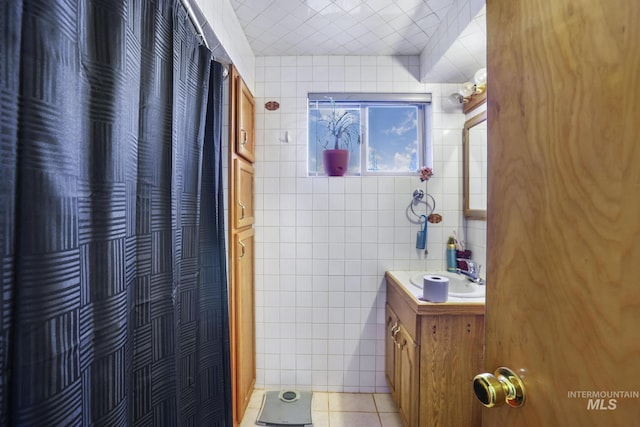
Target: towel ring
[{"x": 433, "y": 208}]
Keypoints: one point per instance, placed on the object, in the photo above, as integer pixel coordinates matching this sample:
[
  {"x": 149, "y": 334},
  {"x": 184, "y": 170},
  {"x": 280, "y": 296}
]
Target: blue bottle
[{"x": 451, "y": 254}]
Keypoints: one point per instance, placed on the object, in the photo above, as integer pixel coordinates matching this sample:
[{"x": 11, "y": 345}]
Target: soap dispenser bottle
[{"x": 451, "y": 254}]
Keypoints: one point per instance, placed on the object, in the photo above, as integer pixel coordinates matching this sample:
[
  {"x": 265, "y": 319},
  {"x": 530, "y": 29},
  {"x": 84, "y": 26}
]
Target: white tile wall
[{"x": 323, "y": 244}]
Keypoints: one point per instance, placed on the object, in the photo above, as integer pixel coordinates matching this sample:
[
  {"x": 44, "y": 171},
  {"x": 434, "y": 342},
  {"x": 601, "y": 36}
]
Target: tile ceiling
[
  {"x": 465, "y": 56},
  {"x": 339, "y": 27}
]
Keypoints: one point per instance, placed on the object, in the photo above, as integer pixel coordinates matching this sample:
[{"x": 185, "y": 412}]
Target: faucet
[{"x": 472, "y": 272}]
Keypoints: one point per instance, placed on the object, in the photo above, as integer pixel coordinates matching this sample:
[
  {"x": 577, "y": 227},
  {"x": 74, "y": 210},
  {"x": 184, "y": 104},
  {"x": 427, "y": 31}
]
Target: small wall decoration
[
  {"x": 434, "y": 218},
  {"x": 272, "y": 105}
]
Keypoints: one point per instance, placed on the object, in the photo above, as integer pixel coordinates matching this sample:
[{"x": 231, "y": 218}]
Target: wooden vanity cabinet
[{"x": 433, "y": 351}]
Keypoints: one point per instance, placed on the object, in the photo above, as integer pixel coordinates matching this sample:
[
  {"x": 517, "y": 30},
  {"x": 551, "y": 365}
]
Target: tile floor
[{"x": 340, "y": 410}]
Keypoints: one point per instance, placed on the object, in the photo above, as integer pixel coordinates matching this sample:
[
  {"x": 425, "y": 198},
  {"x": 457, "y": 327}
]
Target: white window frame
[{"x": 425, "y": 152}]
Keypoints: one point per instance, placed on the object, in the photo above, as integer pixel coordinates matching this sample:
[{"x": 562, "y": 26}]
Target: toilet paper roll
[{"x": 435, "y": 288}]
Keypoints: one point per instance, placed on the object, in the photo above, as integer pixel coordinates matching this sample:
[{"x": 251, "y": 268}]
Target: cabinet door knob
[
  {"x": 242, "y": 246},
  {"x": 504, "y": 386}
]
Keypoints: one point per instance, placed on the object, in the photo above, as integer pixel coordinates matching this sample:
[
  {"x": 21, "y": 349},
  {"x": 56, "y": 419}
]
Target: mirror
[{"x": 475, "y": 167}]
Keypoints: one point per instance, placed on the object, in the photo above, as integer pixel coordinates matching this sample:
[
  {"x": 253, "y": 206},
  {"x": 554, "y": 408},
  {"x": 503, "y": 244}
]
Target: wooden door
[
  {"x": 245, "y": 347},
  {"x": 563, "y": 288},
  {"x": 245, "y": 132}
]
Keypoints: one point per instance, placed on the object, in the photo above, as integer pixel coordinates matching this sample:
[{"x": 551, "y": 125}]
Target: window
[{"x": 386, "y": 134}]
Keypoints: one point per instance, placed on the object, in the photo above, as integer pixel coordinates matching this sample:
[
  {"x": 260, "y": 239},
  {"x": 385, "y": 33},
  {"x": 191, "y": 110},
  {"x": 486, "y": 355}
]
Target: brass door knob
[{"x": 503, "y": 387}]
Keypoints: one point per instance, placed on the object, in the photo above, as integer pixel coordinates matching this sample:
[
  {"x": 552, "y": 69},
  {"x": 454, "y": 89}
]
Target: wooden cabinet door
[
  {"x": 450, "y": 356},
  {"x": 245, "y": 123},
  {"x": 392, "y": 326},
  {"x": 407, "y": 377},
  {"x": 243, "y": 213},
  {"x": 245, "y": 338}
]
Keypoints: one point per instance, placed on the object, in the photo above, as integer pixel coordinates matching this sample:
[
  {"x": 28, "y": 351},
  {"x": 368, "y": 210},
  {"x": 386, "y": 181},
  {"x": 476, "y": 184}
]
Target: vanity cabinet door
[
  {"x": 402, "y": 356},
  {"x": 392, "y": 328},
  {"x": 407, "y": 377}
]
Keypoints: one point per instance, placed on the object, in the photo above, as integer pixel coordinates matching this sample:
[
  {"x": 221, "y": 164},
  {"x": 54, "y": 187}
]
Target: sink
[{"x": 459, "y": 285}]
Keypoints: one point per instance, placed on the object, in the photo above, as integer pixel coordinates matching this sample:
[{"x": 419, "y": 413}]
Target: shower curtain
[{"x": 113, "y": 306}]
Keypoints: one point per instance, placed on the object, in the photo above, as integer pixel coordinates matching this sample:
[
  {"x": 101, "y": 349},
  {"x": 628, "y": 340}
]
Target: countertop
[{"x": 411, "y": 294}]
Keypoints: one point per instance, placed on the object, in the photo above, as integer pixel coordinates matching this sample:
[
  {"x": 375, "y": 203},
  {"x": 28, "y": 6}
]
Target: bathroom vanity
[{"x": 432, "y": 353}]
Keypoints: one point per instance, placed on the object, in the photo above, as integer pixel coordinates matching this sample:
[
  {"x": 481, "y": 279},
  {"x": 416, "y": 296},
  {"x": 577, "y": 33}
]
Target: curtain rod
[
  {"x": 202, "y": 34},
  {"x": 194, "y": 21}
]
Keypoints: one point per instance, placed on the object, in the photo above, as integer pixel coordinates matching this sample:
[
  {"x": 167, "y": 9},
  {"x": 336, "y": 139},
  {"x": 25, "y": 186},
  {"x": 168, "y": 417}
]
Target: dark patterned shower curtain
[{"x": 113, "y": 306}]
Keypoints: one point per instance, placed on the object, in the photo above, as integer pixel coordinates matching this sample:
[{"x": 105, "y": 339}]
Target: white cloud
[
  {"x": 408, "y": 124},
  {"x": 401, "y": 161}
]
